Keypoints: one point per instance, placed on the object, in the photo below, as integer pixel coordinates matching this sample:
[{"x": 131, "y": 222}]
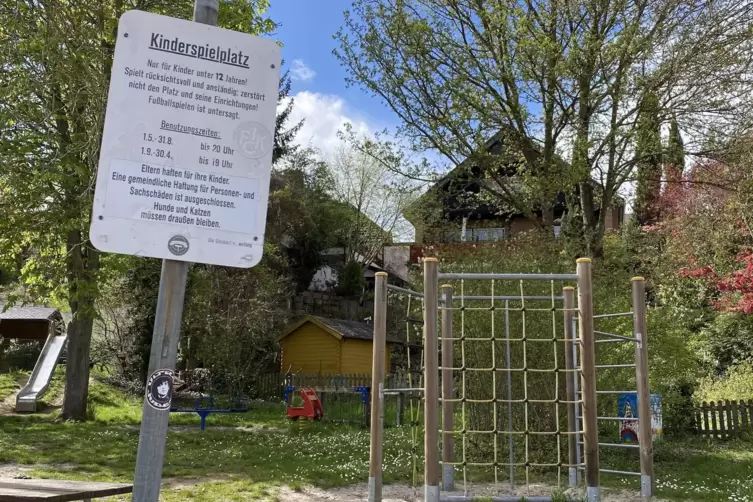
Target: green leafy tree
[
  {"x": 285, "y": 134},
  {"x": 648, "y": 152},
  {"x": 302, "y": 217},
  {"x": 547, "y": 78},
  {"x": 56, "y": 59},
  {"x": 232, "y": 319},
  {"x": 675, "y": 155},
  {"x": 674, "y": 159},
  {"x": 351, "y": 282}
]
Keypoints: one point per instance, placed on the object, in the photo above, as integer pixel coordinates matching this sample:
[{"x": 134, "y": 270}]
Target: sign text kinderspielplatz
[{"x": 187, "y": 146}]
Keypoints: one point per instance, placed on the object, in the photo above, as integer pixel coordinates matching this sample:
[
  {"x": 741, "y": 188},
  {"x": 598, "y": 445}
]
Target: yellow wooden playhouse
[{"x": 329, "y": 346}]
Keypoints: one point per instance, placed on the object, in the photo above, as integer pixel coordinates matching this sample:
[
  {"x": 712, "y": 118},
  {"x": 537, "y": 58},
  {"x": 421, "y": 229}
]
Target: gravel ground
[{"x": 404, "y": 493}]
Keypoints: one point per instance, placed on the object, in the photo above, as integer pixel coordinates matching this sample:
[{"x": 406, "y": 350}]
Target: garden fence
[
  {"x": 341, "y": 401},
  {"x": 345, "y": 397},
  {"x": 724, "y": 419},
  {"x": 271, "y": 386}
]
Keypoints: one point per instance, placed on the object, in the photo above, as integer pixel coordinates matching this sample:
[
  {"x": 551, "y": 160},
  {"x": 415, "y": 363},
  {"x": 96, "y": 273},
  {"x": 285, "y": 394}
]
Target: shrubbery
[
  {"x": 678, "y": 324},
  {"x": 20, "y": 355},
  {"x": 735, "y": 384},
  {"x": 230, "y": 321}
]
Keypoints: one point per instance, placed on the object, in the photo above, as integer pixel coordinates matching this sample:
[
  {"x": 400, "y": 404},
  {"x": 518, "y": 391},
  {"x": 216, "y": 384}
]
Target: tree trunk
[
  {"x": 591, "y": 232},
  {"x": 547, "y": 215},
  {"x": 77, "y": 367},
  {"x": 82, "y": 263}
]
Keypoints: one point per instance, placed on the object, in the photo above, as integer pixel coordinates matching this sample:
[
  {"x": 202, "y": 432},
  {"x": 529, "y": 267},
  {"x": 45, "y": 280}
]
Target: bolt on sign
[{"x": 187, "y": 146}]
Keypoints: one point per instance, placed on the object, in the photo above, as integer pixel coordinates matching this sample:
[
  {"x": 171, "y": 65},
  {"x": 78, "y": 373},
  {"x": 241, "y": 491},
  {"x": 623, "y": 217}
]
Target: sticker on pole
[
  {"x": 186, "y": 152},
  {"x": 159, "y": 389}
]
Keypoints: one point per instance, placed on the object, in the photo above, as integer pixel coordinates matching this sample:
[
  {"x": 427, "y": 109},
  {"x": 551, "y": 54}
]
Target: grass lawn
[
  {"x": 242, "y": 456},
  {"x": 693, "y": 469},
  {"x": 9, "y": 383},
  {"x": 248, "y": 456}
]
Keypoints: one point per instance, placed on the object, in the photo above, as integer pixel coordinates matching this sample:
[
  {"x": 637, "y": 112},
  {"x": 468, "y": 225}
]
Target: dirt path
[
  {"x": 404, "y": 493},
  {"x": 355, "y": 493},
  {"x": 54, "y": 406},
  {"x": 8, "y": 405},
  {"x": 15, "y": 471}
]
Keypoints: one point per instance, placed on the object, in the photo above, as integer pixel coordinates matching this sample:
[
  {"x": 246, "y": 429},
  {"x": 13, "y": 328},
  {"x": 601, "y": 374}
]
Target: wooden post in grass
[
  {"x": 431, "y": 384},
  {"x": 448, "y": 423},
  {"x": 645, "y": 439},
  {"x": 400, "y": 408},
  {"x": 588, "y": 379},
  {"x": 743, "y": 416},
  {"x": 377, "y": 387},
  {"x": 572, "y": 439}
]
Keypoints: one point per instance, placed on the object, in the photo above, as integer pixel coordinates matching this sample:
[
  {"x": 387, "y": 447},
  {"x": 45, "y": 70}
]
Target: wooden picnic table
[{"x": 54, "y": 490}]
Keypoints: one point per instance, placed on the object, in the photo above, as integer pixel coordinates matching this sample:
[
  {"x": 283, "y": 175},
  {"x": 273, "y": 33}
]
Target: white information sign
[{"x": 187, "y": 146}]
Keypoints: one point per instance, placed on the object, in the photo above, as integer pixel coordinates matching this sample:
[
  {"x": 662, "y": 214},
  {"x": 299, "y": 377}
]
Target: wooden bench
[{"x": 54, "y": 490}]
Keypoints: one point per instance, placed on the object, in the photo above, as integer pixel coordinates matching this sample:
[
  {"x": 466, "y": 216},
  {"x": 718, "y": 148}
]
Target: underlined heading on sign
[{"x": 216, "y": 54}]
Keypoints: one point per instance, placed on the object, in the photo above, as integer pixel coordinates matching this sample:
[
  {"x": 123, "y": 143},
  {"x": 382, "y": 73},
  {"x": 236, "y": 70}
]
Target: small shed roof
[
  {"x": 31, "y": 314},
  {"x": 338, "y": 328}
]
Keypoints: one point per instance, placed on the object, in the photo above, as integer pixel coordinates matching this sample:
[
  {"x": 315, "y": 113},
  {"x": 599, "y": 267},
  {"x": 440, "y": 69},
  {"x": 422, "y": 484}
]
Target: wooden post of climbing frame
[
  {"x": 572, "y": 440},
  {"x": 431, "y": 384},
  {"x": 377, "y": 387},
  {"x": 448, "y": 423},
  {"x": 645, "y": 439},
  {"x": 588, "y": 379}
]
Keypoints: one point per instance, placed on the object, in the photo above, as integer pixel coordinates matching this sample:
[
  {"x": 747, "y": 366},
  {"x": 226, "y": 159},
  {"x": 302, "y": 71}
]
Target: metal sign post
[
  {"x": 183, "y": 174},
  {"x": 164, "y": 352}
]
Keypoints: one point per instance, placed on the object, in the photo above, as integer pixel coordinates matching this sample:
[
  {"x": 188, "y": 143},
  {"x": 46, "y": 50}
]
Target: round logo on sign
[
  {"x": 253, "y": 140},
  {"x": 159, "y": 389},
  {"x": 178, "y": 245}
]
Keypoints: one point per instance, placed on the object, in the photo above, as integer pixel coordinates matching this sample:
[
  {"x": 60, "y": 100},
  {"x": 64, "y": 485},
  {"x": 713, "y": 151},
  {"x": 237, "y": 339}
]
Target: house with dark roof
[
  {"x": 462, "y": 207},
  {"x": 320, "y": 345},
  {"x": 29, "y": 323}
]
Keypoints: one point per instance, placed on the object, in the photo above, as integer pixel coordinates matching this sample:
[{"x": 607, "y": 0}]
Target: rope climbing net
[
  {"x": 484, "y": 380},
  {"x": 518, "y": 385},
  {"x": 415, "y": 379}
]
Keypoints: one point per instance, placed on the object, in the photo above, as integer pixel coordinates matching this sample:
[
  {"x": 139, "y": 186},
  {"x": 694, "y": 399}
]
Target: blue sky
[{"x": 322, "y": 97}]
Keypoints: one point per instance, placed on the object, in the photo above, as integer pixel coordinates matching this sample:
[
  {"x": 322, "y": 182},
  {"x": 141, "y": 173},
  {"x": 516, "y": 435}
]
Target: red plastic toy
[{"x": 311, "y": 409}]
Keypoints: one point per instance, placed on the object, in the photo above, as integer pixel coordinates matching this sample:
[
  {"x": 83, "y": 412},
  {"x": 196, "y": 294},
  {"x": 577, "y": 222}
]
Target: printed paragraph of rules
[{"x": 187, "y": 146}]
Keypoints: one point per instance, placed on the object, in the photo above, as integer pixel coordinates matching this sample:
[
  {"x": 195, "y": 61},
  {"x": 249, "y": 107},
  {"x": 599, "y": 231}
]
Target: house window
[
  {"x": 451, "y": 236},
  {"x": 487, "y": 234},
  {"x": 474, "y": 235}
]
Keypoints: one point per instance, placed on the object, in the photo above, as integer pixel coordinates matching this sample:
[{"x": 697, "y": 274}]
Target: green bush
[
  {"x": 735, "y": 384},
  {"x": 20, "y": 355},
  {"x": 231, "y": 322},
  {"x": 729, "y": 340},
  {"x": 677, "y": 410},
  {"x": 672, "y": 359},
  {"x": 351, "y": 282}
]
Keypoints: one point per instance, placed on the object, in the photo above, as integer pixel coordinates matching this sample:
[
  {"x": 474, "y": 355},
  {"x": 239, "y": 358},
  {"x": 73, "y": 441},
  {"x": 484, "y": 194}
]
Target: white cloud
[
  {"x": 323, "y": 116},
  {"x": 301, "y": 72}
]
